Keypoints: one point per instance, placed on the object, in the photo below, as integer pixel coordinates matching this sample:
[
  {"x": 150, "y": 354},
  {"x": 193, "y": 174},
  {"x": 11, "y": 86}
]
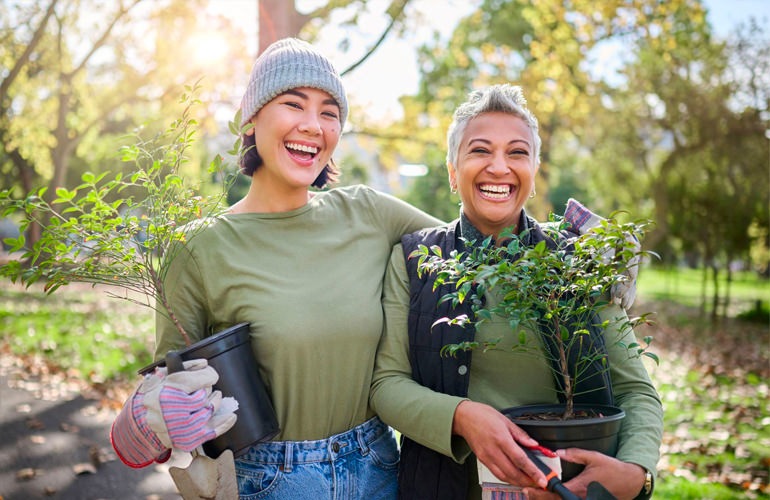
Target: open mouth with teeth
[
  {"x": 302, "y": 151},
  {"x": 496, "y": 191}
]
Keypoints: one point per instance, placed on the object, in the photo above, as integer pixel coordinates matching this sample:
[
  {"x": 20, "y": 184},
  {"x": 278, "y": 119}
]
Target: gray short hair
[{"x": 503, "y": 98}]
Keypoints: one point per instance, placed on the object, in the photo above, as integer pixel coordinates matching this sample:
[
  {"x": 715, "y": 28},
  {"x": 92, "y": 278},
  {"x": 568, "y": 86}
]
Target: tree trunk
[
  {"x": 277, "y": 19},
  {"x": 715, "y": 298}
]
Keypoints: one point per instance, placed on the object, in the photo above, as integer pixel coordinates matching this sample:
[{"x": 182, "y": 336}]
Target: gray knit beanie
[{"x": 287, "y": 64}]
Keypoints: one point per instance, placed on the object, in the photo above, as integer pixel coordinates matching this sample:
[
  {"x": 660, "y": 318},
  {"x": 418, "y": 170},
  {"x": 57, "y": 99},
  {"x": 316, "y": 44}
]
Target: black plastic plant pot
[
  {"x": 593, "y": 433},
  {"x": 229, "y": 353}
]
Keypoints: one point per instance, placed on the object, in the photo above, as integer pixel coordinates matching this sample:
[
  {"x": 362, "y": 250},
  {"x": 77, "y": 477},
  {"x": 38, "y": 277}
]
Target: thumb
[
  {"x": 190, "y": 381},
  {"x": 222, "y": 423},
  {"x": 224, "y": 416},
  {"x": 575, "y": 455},
  {"x": 520, "y": 435}
]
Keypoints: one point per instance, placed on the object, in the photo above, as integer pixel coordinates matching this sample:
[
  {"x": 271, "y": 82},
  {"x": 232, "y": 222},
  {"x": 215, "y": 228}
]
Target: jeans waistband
[{"x": 322, "y": 450}]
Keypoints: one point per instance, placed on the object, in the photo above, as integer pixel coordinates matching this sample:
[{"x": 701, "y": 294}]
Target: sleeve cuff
[{"x": 134, "y": 447}]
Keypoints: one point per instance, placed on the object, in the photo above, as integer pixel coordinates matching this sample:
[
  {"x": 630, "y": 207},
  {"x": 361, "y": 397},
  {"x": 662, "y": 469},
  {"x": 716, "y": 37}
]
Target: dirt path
[{"x": 54, "y": 444}]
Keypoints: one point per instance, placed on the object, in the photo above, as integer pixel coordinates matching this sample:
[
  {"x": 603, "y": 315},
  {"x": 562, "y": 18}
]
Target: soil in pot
[
  {"x": 597, "y": 433},
  {"x": 229, "y": 353}
]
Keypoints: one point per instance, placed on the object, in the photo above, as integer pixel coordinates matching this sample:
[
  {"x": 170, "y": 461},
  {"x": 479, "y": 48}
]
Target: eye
[
  {"x": 479, "y": 150},
  {"x": 331, "y": 114},
  {"x": 293, "y": 104},
  {"x": 519, "y": 152}
]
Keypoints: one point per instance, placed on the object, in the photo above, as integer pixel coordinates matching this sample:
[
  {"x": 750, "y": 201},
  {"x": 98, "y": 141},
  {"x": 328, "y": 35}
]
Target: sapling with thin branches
[
  {"x": 556, "y": 288},
  {"x": 122, "y": 230}
]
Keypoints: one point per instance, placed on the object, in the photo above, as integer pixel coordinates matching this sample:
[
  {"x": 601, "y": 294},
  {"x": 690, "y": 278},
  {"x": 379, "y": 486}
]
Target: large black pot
[
  {"x": 229, "y": 353},
  {"x": 596, "y": 433}
]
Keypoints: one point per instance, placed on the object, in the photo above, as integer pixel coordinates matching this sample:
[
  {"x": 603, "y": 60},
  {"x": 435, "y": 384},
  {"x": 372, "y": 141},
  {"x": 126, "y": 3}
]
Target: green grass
[
  {"x": 686, "y": 286},
  {"x": 686, "y": 489},
  {"x": 714, "y": 385},
  {"x": 717, "y": 437},
  {"x": 81, "y": 330}
]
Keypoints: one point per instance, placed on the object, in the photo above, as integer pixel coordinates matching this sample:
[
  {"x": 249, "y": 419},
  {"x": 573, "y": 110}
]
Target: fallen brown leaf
[
  {"x": 84, "y": 468},
  {"x": 26, "y": 474},
  {"x": 35, "y": 424}
]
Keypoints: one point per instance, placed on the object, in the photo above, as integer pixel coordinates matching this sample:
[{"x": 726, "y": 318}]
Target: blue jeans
[{"x": 360, "y": 464}]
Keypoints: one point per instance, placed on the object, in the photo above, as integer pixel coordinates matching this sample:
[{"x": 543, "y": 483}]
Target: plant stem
[
  {"x": 569, "y": 402},
  {"x": 161, "y": 294}
]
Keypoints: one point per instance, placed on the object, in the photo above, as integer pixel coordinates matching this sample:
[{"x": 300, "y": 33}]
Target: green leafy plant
[
  {"x": 120, "y": 230},
  {"x": 556, "y": 290}
]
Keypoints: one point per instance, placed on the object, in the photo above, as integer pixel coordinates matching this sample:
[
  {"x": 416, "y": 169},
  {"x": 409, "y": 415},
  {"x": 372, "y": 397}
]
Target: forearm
[{"x": 417, "y": 412}]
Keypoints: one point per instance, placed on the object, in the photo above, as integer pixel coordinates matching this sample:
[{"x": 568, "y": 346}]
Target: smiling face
[
  {"x": 295, "y": 135},
  {"x": 495, "y": 170}
]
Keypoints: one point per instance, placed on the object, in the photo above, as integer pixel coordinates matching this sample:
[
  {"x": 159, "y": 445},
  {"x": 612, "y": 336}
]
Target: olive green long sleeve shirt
[{"x": 309, "y": 282}]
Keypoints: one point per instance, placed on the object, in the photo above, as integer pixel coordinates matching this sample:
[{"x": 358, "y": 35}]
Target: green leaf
[
  {"x": 64, "y": 195},
  {"x": 15, "y": 244},
  {"x": 652, "y": 356}
]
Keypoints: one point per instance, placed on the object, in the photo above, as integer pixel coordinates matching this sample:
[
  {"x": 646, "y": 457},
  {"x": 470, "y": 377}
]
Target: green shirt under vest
[{"x": 500, "y": 378}]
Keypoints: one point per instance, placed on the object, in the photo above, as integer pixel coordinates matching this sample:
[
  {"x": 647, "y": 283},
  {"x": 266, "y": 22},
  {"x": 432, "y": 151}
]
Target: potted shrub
[
  {"x": 557, "y": 290},
  {"x": 123, "y": 231}
]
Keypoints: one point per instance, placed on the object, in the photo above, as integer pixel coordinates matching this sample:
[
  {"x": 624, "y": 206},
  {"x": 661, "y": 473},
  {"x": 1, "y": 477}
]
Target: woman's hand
[
  {"x": 496, "y": 442},
  {"x": 624, "y": 480}
]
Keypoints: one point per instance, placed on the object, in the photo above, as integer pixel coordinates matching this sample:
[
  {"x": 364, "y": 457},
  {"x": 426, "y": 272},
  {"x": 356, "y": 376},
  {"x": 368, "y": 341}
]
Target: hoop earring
[
  {"x": 453, "y": 188},
  {"x": 533, "y": 193}
]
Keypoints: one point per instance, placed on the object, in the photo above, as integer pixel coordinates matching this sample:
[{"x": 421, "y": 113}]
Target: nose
[
  {"x": 498, "y": 165},
  {"x": 310, "y": 125}
]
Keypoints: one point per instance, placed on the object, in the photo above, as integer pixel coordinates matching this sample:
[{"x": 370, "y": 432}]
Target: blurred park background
[{"x": 659, "y": 109}]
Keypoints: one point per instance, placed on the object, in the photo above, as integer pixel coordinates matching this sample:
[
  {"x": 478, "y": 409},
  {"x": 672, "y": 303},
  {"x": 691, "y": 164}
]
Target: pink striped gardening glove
[
  {"x": 181, "y": 406},
  {"x": 170, "y": 411}
]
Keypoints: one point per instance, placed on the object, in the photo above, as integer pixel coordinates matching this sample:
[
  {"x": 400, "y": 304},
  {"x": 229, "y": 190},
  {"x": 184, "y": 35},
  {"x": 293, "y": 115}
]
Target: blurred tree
[
  {"x": 685, "y": 136},
  {"x": 280, "y": 18},
  {"x": 76, "y": 76},
  {"x": 431, "y": 192},
  {"x": 546, "y": 47},
  {"x": 80, "y": 74},
  {"x": 640, "y": 108}
]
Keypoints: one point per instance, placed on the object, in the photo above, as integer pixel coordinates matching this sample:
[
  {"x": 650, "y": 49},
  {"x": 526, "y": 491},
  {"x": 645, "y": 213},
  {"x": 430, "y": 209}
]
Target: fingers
[
  {"x": 622, "y": 479},
  {"x": 224, "y": 416},
  {"x": 497, "y": 442},
  {"x": 623, "y": 294},
  {"x": 190, "y": 381},
  {"x": 215, "y": 400},
  {"x": 222, "y": 423},
  {"x": 578, "y": 455},
  {"x": 187, "y": 417},
  {"x": 195, "y": 364},
  {"x": 538, "y": 494},
  {"x": 520, "y": 436}
]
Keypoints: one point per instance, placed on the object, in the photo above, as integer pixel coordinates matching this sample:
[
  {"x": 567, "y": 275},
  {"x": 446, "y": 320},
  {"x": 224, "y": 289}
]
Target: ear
[
  {"x": 452, "y": 174},
  {"x": 250, "y": 127}
]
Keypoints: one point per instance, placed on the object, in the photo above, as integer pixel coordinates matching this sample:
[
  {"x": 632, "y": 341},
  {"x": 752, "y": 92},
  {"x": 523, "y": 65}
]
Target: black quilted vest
[{"x": 423, "y": 473}]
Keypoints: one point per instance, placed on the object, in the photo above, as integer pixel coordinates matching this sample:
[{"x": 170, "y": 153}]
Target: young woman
[{"x": 305, "y": 269}]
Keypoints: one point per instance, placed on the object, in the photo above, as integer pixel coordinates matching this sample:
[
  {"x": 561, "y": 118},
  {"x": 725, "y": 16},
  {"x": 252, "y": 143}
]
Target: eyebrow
[
  {"x": 487, "y": 141},
  {"x": 303, "y": 95}
]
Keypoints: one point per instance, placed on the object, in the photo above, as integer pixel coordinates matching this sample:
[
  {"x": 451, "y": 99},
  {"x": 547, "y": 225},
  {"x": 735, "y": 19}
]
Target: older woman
[{"x": 493, "y": 155}]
